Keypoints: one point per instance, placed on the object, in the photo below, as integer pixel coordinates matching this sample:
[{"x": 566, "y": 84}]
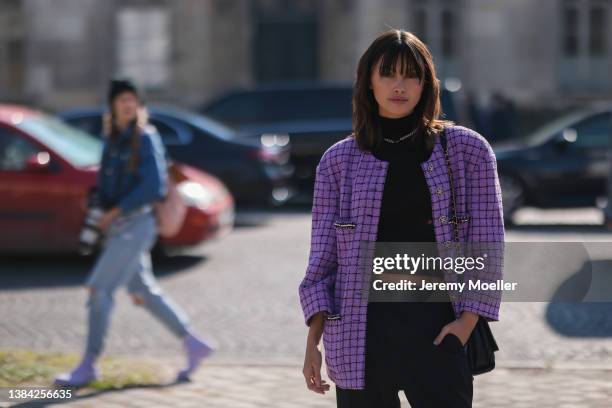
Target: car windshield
[
  {"x": 550, "y": 129},
  {"x": 210, "y": 126},
  {"x": 283, "y": 105},
  {"x": 75, "y": 146}
]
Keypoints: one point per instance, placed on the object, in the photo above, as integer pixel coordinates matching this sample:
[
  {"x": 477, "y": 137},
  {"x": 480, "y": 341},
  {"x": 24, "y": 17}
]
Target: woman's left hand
[{"x": 462, "y": 328}]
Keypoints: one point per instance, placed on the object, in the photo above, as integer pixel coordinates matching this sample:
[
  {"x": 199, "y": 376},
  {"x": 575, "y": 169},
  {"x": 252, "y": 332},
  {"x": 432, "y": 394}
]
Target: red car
[{"x": 48, "y": 170}]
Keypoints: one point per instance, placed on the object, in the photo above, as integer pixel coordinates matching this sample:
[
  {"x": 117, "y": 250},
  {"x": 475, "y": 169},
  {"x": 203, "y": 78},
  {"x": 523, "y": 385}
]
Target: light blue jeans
[{"x": 126, "y": 260}]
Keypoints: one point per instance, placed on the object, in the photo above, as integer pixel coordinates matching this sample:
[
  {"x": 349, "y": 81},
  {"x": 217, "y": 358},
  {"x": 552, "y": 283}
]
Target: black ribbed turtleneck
[{"x": 405, "y": 214}]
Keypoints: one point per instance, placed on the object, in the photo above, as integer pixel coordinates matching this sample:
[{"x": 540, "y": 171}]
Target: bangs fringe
[{"x": 410, "y": 64}]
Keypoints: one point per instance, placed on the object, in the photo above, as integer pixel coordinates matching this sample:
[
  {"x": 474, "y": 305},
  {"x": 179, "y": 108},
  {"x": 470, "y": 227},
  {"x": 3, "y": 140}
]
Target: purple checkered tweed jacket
[{"x": 348, "y": 193}]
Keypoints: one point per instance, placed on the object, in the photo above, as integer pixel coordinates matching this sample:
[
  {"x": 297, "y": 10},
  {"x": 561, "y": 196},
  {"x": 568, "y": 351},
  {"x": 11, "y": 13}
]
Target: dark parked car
[
  {"x": 315, "y": 115},
  {"x": 255, "y": 174},
  {"x": 564, "y": 164}
]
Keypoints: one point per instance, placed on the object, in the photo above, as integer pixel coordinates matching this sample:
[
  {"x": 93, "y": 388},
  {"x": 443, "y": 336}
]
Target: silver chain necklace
[{"x": 401, "y": 138}]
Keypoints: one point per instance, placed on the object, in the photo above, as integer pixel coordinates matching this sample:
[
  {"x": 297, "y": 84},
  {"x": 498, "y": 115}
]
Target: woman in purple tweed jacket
[{"x": 389, "y": 182}]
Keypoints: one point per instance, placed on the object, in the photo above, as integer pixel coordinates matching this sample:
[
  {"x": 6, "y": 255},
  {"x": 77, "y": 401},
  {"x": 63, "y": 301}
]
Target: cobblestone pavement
[
  {"x": 249, "y": 386},
  {"x": 242, "y": 292}
]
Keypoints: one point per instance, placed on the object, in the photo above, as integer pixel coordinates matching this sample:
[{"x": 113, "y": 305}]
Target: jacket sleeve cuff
[
  {"x": 315, "y": 299},
  {"x": 487, "y": 310},
  {"x": 125, "y": 207}
]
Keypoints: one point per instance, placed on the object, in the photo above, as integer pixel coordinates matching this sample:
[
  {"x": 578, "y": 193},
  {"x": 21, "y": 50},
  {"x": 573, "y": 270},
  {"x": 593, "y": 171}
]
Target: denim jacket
[{"x": 118, "y": 186}]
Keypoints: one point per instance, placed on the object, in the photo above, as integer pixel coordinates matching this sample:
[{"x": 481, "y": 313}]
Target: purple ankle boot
[
  {"x": 197, "y": 350},
  {"x": 82, "y": 375}
]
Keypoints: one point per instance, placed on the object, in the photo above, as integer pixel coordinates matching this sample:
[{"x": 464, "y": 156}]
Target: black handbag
[{"x": 481, "y": 346}]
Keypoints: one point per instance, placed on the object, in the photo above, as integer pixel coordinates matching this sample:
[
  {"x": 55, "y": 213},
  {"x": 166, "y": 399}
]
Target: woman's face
[
  {"x": 125, "y": 107},
  {"x": 396, "y": 95}
]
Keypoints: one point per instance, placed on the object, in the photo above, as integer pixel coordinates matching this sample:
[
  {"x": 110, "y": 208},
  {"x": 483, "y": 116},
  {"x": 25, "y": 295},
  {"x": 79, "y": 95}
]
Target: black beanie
[{"x": 120, "y": 85}]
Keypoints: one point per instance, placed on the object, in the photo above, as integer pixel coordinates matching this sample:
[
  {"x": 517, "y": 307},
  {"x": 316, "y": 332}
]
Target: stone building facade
[{"x": 60, "y": 53}]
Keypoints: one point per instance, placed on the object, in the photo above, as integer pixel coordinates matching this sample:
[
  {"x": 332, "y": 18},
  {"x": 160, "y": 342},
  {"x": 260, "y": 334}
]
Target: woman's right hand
[
  {"x": 108, "y": 218},
  {"x": 313, "y": 359},
  {"x": 312, "y": 370}
]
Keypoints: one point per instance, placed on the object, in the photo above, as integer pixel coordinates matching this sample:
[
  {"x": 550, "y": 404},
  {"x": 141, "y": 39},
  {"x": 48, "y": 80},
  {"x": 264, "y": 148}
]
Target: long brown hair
[
  {"x": 415, "y": 60},
  {"x": 111, "y": 130}
]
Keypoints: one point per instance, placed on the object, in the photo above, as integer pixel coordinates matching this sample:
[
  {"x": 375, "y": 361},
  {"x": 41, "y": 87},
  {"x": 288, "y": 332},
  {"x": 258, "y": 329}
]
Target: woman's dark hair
[{"x": 415, "y": 61}]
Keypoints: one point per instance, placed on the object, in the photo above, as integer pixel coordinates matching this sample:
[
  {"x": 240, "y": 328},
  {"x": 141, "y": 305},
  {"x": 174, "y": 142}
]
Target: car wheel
[{"x": 513, "y": 195}]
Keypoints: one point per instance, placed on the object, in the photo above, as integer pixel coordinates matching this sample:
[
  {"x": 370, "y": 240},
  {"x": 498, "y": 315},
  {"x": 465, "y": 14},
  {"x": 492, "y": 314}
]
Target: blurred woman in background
[{"x": 132, "y": 177}]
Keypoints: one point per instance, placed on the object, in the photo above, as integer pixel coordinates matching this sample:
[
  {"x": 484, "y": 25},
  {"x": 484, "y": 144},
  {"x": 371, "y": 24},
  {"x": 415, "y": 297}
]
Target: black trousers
[{"x": 401, "y": 356}]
